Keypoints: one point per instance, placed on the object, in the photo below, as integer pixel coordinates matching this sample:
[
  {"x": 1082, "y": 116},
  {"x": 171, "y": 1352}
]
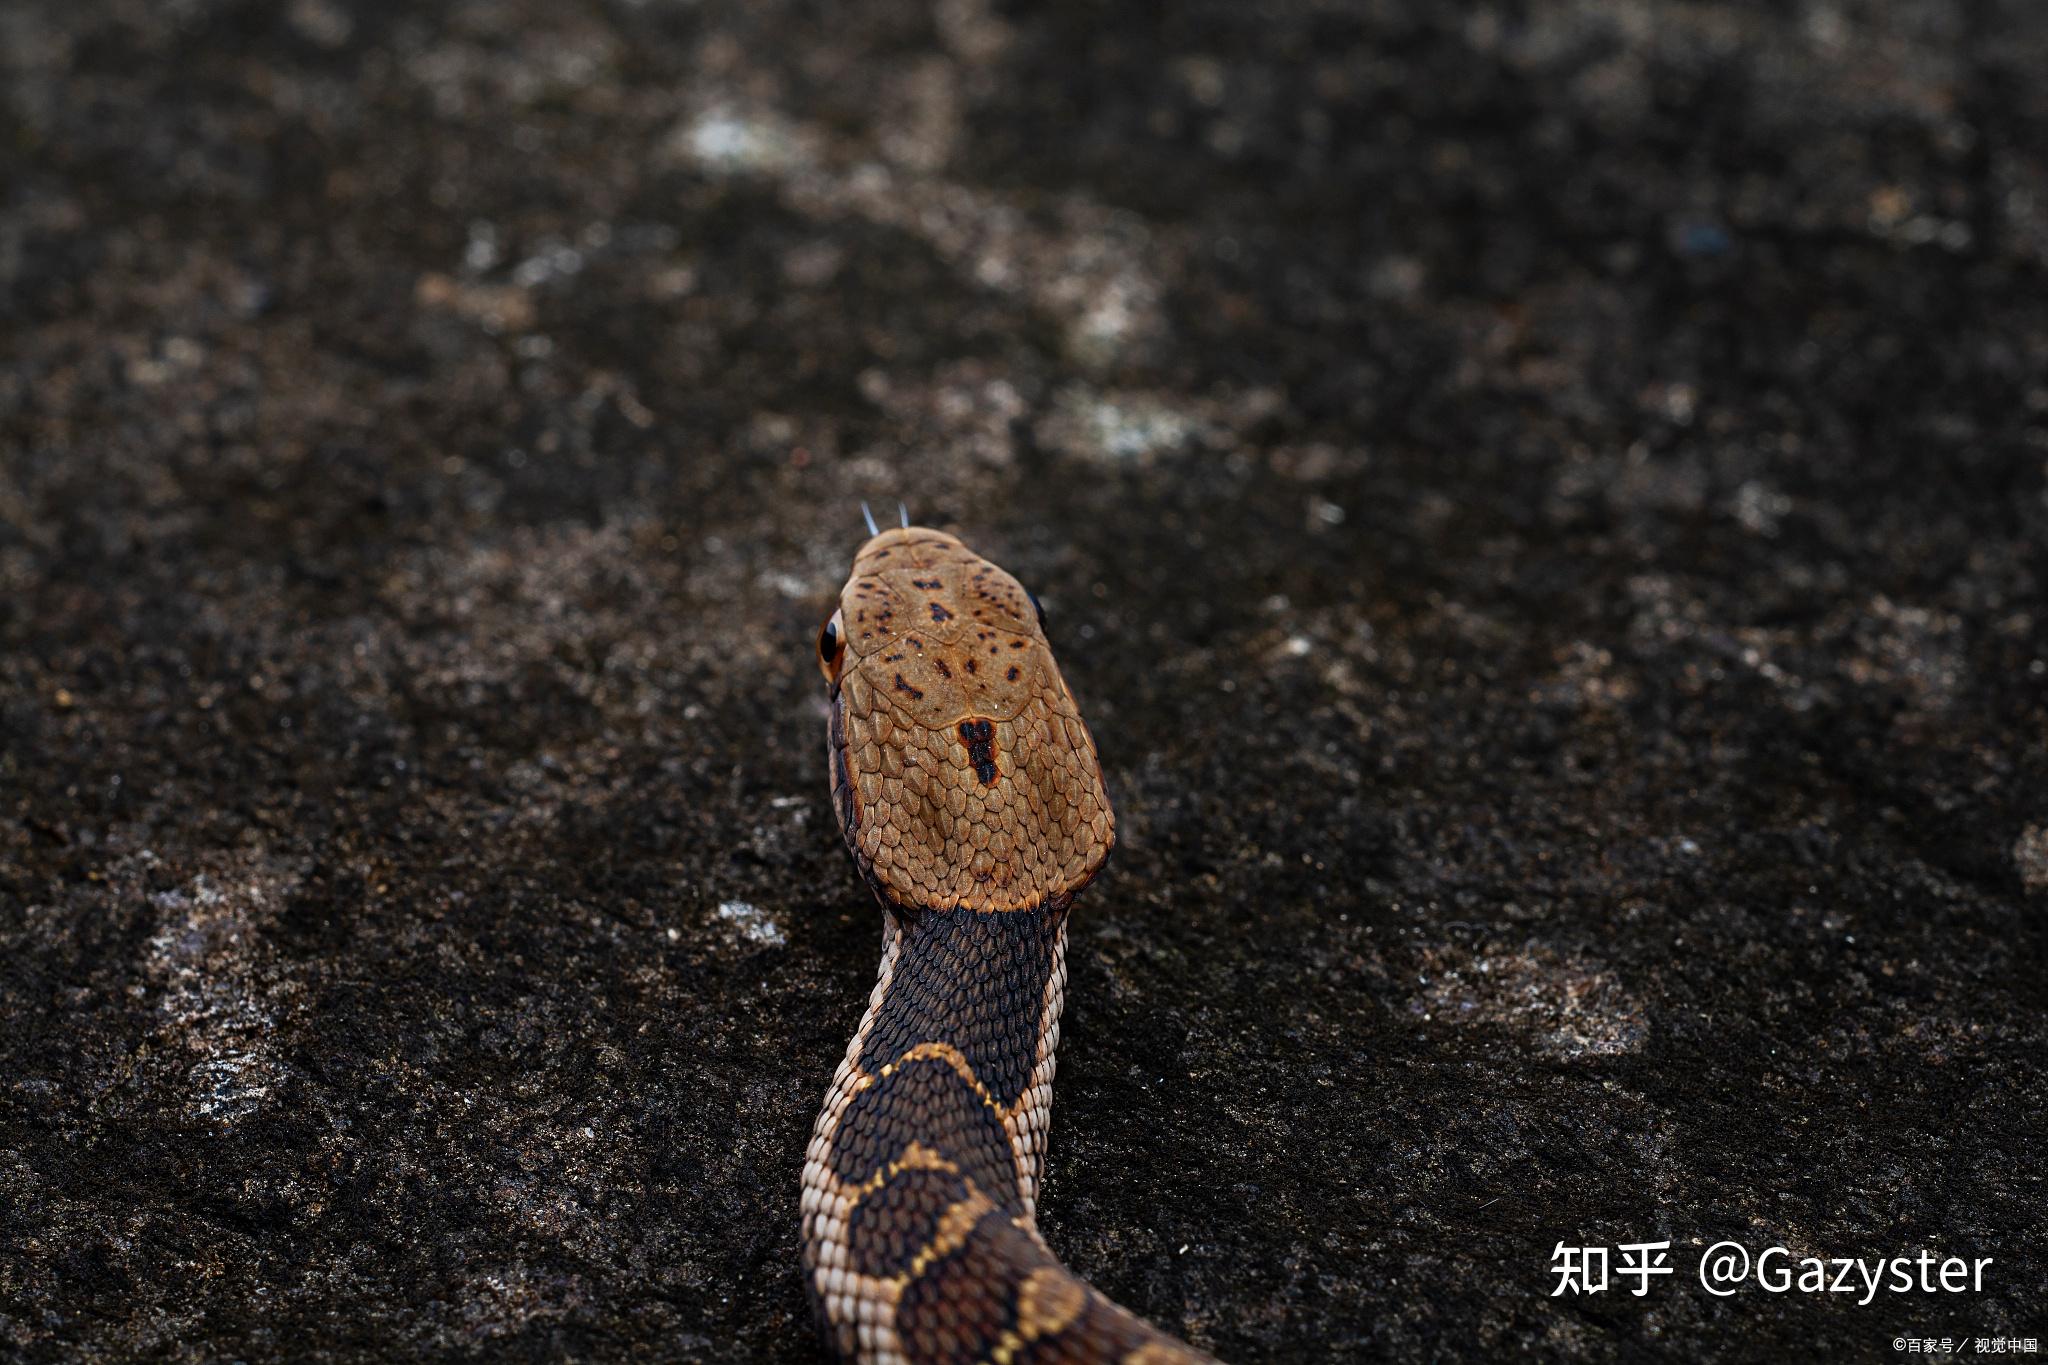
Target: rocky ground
[{"x": 1542, "y": 503}]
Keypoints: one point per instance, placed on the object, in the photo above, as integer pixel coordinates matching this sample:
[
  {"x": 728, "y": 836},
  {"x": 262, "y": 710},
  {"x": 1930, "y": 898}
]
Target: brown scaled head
[{"x": 962, "y": 772}]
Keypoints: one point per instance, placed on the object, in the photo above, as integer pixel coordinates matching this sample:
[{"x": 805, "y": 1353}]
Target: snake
[{"x": 970, "y": 794}]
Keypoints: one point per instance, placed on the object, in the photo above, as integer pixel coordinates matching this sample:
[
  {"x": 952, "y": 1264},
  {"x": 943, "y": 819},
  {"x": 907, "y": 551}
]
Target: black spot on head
[
  {"x": 979, "y": 737},
  {"x": 939, "y": 613},
  {"x": 944, "y": 671},
  {"x": 1014, "y": 672},
  {"x": 902, "y": 686}
]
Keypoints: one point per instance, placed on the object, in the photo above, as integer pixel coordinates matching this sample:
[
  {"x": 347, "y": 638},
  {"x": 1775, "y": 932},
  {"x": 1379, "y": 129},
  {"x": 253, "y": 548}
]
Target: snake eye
[
  {"x": 830, "y": 647},
  {"x": 1036, "y": 606}
]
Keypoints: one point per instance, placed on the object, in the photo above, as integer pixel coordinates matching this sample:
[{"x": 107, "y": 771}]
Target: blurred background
[{"x": 1542, "y": 504}]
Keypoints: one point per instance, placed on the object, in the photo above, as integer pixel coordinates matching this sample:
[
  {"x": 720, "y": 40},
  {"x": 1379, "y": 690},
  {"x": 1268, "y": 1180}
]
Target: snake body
[{"x": 969, "y": 792}]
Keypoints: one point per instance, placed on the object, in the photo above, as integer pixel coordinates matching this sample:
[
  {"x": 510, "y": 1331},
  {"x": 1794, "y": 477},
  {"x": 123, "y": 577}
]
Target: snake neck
[{"x": 920, "y": 1187}]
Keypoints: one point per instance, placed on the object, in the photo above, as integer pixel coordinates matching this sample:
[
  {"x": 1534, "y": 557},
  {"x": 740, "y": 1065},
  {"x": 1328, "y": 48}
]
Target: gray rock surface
[{"x": 1543, "y": 505}]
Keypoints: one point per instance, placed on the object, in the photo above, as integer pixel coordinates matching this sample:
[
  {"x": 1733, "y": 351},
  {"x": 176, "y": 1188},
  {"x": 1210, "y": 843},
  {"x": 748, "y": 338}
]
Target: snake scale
[{"x": 969, "y": 792}]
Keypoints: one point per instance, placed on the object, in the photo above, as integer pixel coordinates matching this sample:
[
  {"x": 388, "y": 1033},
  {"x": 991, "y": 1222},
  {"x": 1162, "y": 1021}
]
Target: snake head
[{"x": 962, "y": 772}]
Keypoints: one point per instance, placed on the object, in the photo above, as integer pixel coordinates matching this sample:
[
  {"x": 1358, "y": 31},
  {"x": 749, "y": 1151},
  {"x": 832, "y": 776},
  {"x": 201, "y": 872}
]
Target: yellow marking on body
[
  {"x": 956, "y": 1225},
  {"x": 1159, "y": 1353},
  {"x": 916, "y": 1157},
  {"x": 951, "y": 1056},
  {"x": 1048, "y": 1301}
]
